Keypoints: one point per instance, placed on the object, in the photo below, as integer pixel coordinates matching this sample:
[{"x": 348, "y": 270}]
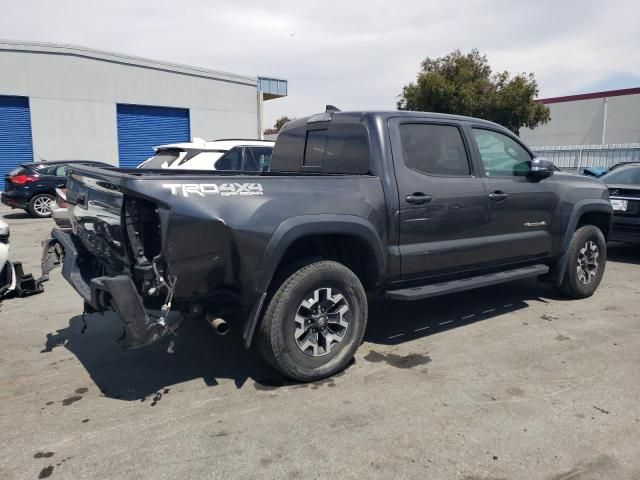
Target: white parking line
[
  {"x": 394, "y": 336},
  {"x": 421, "y": 328}
]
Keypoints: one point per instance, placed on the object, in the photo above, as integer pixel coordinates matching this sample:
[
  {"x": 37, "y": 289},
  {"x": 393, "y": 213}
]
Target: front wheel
[
  {"x": 586, "y": 259},
  {"x": 40, "y": 205},
  {"x": 314, "y": 322}
]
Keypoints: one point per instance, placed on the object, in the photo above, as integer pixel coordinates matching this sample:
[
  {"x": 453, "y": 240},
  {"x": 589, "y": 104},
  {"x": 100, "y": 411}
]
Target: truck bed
[{"x": 208, "y": 229}]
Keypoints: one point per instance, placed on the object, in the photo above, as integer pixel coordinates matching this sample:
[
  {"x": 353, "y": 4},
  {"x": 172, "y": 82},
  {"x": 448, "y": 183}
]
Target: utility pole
[{"x": 604, "y": 120}]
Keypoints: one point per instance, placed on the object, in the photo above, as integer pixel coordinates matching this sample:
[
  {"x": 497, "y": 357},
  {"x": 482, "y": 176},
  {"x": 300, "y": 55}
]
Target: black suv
[{"x": 31, "y": 186}]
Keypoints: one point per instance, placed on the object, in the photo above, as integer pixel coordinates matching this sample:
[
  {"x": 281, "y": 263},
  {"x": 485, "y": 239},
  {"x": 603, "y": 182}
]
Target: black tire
[
  {"x": 573, "y": 283},
  {"x": 277, "y": 336},
  {"x": 36, "y": 203}
]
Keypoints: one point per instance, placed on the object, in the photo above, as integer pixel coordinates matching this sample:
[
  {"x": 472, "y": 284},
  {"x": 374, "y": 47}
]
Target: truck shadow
[
  {"x": 200, "y": 353},
  {"x": 392, "y": 323}
]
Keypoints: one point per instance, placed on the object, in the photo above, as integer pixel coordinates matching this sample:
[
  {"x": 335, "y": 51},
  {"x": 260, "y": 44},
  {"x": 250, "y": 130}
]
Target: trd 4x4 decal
[{"x": 224, "y": 189}]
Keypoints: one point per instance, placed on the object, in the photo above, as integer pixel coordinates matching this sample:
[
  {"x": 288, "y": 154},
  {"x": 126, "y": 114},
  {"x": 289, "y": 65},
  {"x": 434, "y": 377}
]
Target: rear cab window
[
  {"x": 329, "y": 148},
  {"x": 315, "y": 148}
]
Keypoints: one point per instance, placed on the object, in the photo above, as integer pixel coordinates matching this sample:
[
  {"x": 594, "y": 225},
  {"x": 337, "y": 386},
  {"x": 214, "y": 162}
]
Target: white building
[
  {"x": 611, "y": 117},
  {"x": 61, "y": 102}
]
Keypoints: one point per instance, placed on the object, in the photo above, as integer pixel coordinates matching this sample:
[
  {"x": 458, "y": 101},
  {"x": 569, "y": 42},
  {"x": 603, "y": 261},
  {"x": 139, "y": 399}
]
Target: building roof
[
  {"x": 590, "y": 96},
  {"x": 78, "y": 51}
]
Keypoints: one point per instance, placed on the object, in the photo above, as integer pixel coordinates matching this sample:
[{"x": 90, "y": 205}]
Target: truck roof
[
  {"x": 360, "y": 115},
  {"x": 347, "y": 146}
]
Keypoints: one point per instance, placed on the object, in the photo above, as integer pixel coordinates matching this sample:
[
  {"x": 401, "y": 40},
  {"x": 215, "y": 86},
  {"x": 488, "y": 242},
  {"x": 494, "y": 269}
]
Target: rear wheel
[
  {"x": 586, "y": 259},
  {"x": 40, "y": 205},
  {"x": 314, "y": 322}
]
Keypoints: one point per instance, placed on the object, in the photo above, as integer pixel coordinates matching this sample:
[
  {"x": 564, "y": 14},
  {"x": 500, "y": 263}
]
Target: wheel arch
[
  {"x": 585, "y": 212},
  {"x": 589, "y": 212},
  {"x": 313, "y": 230}
]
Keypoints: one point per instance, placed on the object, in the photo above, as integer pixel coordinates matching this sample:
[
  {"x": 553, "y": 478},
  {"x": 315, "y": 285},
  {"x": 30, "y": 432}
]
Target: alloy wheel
[
  {"x": 587, "y": 266},
  {"x": 321, "y": 322},
  {"x": 42, "y": 205}
]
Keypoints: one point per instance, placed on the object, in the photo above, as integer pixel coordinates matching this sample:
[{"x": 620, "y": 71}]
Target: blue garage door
[
  {"x": 140, "y": 128},
  {"x": 15, "y": 134}
]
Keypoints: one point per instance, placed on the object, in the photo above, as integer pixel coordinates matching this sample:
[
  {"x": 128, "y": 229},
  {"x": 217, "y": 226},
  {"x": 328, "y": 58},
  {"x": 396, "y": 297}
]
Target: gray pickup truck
[{"x": 404, "y": 205}]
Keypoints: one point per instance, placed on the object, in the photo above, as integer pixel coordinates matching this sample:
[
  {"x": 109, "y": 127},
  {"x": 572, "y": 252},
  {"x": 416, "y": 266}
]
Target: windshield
[{"x": 623, "y": 176}]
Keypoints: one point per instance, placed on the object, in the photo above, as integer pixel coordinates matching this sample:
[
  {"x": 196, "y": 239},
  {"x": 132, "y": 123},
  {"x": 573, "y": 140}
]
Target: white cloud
[{"x": 354, "y": 54}]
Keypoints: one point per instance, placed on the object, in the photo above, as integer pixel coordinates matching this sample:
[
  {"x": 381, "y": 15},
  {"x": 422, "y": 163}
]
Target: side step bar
[{"x": 433, "y": 290}]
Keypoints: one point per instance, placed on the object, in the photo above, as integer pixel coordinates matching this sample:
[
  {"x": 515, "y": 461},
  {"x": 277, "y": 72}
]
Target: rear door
[
  {"x": 521, "y": 210},
  {"x": 443, "y": 204}
]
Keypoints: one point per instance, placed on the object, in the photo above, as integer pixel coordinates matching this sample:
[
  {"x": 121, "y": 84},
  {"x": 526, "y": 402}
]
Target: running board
[{"x": 435, "y": 289}]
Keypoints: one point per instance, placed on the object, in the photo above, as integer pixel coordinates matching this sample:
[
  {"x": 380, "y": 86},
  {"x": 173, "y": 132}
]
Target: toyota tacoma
[{"x": 403, "y": 205}]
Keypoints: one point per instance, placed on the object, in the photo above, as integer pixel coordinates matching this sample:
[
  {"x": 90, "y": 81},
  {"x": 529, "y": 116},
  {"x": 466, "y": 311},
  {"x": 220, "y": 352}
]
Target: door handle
[
  {"x": 498, "y": 196},
  {"x": 418, "y": 198}
]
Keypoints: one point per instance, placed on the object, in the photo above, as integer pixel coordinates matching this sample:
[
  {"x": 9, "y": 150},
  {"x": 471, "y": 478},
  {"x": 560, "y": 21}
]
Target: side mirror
[{"x": 541, "y": 168}]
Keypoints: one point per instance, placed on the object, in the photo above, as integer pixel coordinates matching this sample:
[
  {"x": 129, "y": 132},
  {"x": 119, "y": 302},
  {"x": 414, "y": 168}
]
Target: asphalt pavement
[{"x": 505, "y": 382}]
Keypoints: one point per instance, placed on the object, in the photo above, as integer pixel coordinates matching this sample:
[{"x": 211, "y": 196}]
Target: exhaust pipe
[{"x": 219, "y": 325}]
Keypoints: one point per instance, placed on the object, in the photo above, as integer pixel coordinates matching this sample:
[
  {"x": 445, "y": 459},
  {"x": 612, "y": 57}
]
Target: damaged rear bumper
[{"x": 117, "y": 293}]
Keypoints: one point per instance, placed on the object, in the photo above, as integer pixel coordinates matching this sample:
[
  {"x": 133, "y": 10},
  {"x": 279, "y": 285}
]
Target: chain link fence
[{"x": 576, "y": 158}]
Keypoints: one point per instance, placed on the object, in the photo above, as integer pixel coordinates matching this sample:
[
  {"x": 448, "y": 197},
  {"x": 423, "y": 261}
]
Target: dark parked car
[
  {"x": 624, "y": 190},
  {"x": 32, "y": 186},
  {"x": 598, "y": 172}
]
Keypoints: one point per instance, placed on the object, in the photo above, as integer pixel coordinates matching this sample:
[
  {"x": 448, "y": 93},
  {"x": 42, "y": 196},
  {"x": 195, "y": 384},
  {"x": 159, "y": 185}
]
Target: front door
[
  {"x": 521, "y": 210},
  {"x": 443, "y": 205}
]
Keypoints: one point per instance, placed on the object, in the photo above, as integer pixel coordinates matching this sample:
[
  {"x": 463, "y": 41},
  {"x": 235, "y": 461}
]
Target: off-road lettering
[{"x": 224, "y": 189}]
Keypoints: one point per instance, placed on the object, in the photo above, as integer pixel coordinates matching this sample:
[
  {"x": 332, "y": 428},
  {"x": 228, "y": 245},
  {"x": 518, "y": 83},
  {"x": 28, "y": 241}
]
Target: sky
[{"x": 348, "y": 53}]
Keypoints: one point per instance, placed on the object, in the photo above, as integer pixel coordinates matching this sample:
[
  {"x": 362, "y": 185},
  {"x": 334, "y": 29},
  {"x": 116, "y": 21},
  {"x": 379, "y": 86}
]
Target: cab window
[
  {"x": 338, "y": 148},
  {"x": 434, "y": 149},
  {"x": 501, "y": 155}
]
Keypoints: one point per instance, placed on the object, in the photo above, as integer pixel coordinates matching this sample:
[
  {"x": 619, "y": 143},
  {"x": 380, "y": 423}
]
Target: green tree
[
  {"x": 280, "y": 123},
  {"x": 464, "y": 84}
]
